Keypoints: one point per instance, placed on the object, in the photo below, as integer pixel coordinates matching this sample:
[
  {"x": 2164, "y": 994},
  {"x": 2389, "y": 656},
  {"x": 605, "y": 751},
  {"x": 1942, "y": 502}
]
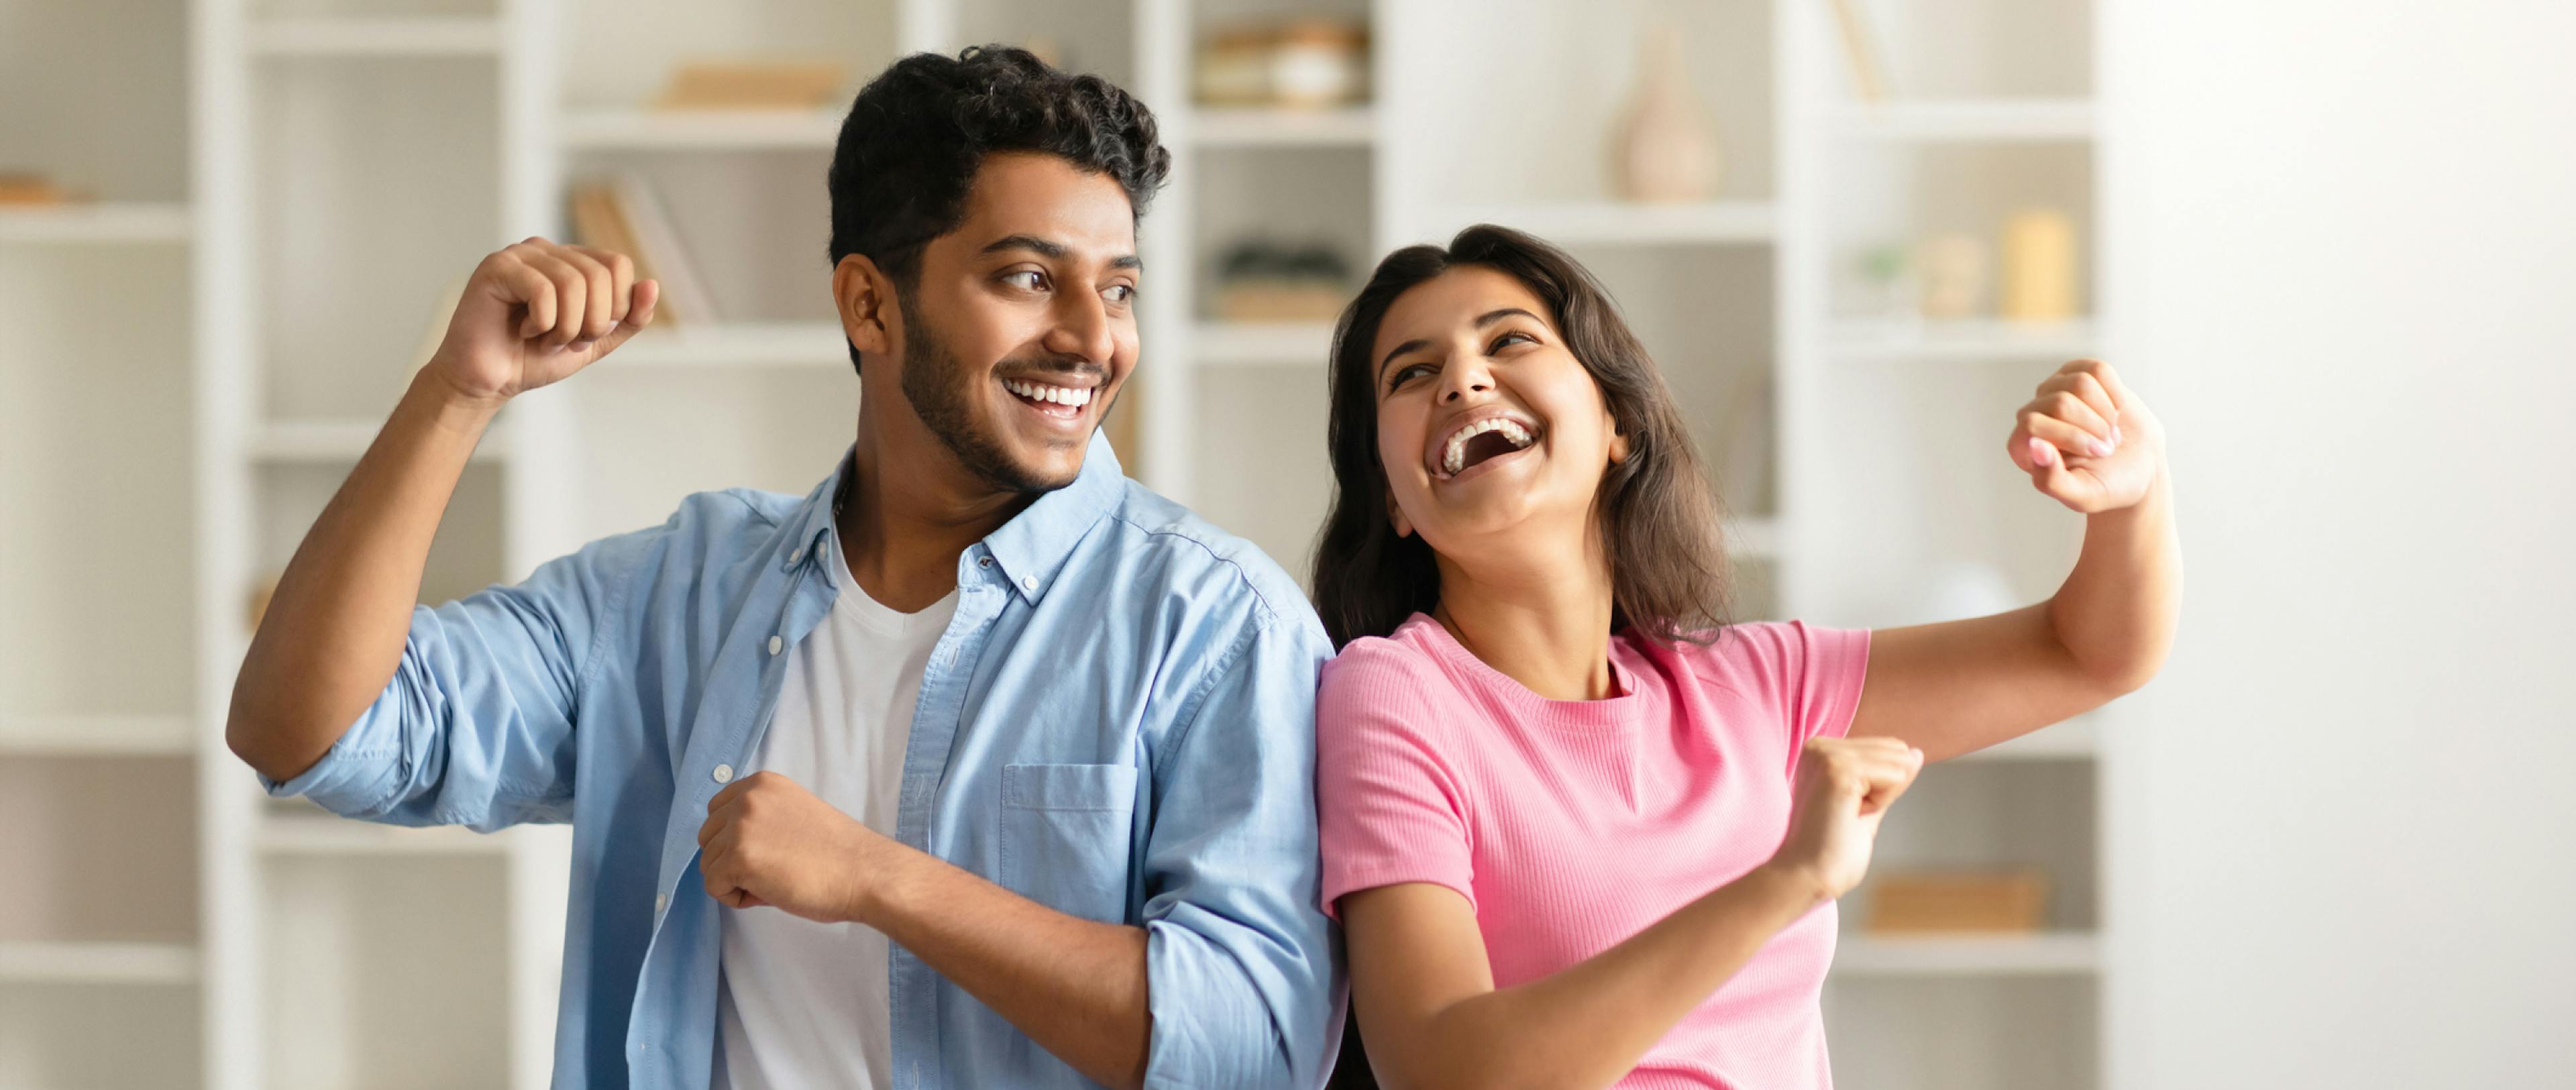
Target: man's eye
[
  {"x": 1120, "y": 293},
  {"x": 1028, "y": 279}
]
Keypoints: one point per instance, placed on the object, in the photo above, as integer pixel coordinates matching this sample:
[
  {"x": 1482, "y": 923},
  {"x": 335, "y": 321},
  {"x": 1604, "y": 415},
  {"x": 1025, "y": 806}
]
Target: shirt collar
[{"x": 1031, "y": 548}]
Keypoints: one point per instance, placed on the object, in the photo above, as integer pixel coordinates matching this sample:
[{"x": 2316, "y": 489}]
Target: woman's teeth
[
  {"x": 1069, "y": 396},
  {"x": 1454, "y": 457}
]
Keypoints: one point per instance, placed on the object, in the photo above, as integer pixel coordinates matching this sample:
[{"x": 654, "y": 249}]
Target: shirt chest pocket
[{"x": 1064, "y": 836}]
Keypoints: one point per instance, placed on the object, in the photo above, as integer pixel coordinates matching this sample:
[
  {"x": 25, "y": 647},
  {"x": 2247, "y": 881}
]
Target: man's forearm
[
  {"x": 335, "y": 626},
  {"x": 1075, "y": 986}
]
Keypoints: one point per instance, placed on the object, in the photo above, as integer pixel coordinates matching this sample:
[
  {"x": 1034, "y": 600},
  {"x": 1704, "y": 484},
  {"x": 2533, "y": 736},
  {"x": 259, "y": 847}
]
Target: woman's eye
[
  {"x": 1506, "y": 340},
  {"x": 1404, "y": 375}
]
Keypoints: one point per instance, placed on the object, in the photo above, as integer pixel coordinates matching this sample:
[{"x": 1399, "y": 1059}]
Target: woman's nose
[{"x": 1463, "y": 380}]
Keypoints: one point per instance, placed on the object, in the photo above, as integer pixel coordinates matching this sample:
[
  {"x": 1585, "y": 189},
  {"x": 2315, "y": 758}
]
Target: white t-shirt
[{"x": 803, "y": 1004}]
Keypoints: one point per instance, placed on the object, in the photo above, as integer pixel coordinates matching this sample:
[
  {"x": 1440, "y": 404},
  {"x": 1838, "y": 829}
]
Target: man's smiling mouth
[{"x": 1049, "y": 398}]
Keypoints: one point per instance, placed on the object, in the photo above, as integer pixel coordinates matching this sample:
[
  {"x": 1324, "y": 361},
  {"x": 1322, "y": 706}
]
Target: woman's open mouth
[{"x": 1482, "y": 442}]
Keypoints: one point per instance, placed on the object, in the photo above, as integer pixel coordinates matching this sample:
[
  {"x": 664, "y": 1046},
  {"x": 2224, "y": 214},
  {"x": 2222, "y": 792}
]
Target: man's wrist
[
  {"x": 451, "y": 405},
  {"x": 878, "y": 866}
]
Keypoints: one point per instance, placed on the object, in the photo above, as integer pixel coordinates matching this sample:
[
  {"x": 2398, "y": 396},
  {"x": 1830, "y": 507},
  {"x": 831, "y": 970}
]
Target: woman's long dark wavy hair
[{"x": 1657, "y": 511}]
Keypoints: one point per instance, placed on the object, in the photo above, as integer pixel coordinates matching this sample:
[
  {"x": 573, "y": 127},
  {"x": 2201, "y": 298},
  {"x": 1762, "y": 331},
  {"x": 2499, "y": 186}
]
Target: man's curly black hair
[{"x": 914, "y": 138}]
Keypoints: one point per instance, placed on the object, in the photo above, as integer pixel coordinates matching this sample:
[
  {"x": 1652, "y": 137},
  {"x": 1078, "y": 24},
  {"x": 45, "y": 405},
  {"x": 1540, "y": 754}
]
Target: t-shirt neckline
[{"x": 1616, "y": 713}]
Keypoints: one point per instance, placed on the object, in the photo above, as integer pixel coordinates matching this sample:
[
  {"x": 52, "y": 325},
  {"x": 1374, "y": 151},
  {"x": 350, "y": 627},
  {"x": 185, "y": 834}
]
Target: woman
[{"x": 1578, "y": 829}]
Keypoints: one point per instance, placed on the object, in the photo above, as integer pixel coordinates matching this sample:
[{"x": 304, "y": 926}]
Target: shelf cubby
[
  {"x": 95, "y": 404},
  {"x": 385, "y": 971},
  {"x": 375, "y": 184},
  {"x": 115, "y": 837}
]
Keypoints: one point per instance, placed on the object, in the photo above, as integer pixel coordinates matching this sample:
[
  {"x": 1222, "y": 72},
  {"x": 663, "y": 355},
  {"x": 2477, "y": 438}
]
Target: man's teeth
[
  {"x": 1455, "y": 457},
  {"x": 1071, "y": 396}
]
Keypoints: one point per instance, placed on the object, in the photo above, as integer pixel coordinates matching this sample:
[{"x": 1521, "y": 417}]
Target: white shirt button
[
  {"x": 983, "y": 561},
  {"x": 775, "y": 643},
  {"x": 661, "y": 901},
  {"x": 724, "y": 773},
  {"x": 1028, "y": 582},
  {"x": 795, "y": 555}
]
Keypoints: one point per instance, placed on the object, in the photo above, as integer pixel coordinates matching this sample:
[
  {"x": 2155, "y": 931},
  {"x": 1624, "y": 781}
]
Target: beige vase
[{"x": 1665, "y": 150}]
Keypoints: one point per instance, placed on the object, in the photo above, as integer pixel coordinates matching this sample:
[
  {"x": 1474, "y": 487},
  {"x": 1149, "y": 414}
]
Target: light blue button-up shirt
[{"x": 1118, "y": 723}]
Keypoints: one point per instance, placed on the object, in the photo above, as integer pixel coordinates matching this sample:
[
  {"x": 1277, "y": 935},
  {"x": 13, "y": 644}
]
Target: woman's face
[{"x": 1492, "y": 433}]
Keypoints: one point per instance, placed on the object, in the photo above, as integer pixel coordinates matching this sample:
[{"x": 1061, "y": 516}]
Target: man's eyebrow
[
  {"x": 1052, "y": 250},
  {"x": 1042, "y": 247},
  {"x": 1482, "y": 320}
]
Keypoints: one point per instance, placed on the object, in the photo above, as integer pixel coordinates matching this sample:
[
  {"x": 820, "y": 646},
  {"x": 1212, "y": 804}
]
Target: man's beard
[{"x": 942, "y": 394}]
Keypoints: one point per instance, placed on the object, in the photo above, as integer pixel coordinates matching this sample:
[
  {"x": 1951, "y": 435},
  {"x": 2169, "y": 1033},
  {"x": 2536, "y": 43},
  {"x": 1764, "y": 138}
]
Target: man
[{"x": 977, "y": 766}]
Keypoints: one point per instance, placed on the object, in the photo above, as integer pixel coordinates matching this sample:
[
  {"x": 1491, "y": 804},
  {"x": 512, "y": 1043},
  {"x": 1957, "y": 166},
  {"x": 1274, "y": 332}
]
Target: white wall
[{"x": 2349, "y": 267}]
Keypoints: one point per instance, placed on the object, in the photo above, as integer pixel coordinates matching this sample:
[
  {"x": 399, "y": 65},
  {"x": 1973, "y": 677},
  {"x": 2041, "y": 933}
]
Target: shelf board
[
  {"x": 1965, "y": 120},
  {"x": 1243, "y": 127},
  {"x": 342, "y": 441},
  {"x": 700, "y": 130},
  {"x": 164, "y": 222},
  {"x": 1261, "y": 344},
  {"x": 1967, "y": 340},
  {"x": 736, "y": 344},
  {"x": 82, "y": 962},
  {"x": 97, "y": 735},
  {"x": 2058, "y": 953},
  {"x": 2077, "y": 739},
  {"x": 326, "y": 836},
  {"x": 377, "y": 36},
  {"x": 1578, "y": 223}
]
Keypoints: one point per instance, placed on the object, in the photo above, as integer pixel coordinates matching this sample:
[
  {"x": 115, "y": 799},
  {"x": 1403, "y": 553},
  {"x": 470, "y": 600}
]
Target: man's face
[{"x": 1022, "y": 329}]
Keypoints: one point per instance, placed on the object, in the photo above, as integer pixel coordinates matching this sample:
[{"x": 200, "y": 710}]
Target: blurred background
[{"x": 2333, "y": 243}]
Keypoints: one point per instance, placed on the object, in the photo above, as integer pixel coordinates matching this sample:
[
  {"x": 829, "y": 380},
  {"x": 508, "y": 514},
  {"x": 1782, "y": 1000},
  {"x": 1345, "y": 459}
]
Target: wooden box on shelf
[{"x": 1920, "y": 902}]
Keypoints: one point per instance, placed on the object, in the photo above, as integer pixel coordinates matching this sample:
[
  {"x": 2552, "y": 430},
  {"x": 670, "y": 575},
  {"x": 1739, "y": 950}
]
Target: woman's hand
[
  {"x": 1844, "y": 788},
  {"x": 2087, "y": 442}
]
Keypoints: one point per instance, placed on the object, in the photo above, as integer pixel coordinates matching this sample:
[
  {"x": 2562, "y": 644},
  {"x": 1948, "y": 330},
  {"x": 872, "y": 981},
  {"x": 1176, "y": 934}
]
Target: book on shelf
[
  {"x": 622, "y": 214},
  {"x": 753, "y": 85}
]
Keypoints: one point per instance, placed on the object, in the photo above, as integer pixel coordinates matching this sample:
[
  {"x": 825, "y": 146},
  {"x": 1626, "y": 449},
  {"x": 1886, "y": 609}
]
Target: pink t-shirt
[{"x": 1570, "y": 825}]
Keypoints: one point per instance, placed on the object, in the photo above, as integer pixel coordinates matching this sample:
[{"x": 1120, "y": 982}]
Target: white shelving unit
[
  {"x": 291, "y": 183},
  {"x": 100, "y": 938}
]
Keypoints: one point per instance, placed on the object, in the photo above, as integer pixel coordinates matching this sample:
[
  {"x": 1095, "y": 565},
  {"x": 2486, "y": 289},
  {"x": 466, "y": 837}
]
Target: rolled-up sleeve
[
  {"x": 476, "y": 726},
  {"x": 1243, "y": 977}
]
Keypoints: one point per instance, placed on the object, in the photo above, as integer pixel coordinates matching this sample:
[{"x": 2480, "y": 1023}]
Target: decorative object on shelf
[
  {"x": 1666, "y": 151},
  {"x": 33, "y": 189},
  {"x": 623, "y": 214},
  {"x": 1919, "y": 902},
  {"x": 2038, "y": 267},
  {"x": 1889, "y": 278},
  {"x": 753, "y": 85},
  {"x": 1264, "y": 281},
  {"x": 1953, "y": 275},
  {"x": 1306, "y": 64},
  {"x": 1860, "y": 50}
]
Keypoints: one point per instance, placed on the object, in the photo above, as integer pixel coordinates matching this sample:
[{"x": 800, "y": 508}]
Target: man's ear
[
  {"x": 868, "y": 311},
  {"x": 1395, "y": 516}
]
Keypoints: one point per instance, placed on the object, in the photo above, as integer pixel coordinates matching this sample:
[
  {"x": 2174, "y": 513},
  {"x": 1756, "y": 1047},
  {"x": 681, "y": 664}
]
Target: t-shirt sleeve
[
  {"x": 1812, "y": 676},
  {"x": 1389, "y": 808}
]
